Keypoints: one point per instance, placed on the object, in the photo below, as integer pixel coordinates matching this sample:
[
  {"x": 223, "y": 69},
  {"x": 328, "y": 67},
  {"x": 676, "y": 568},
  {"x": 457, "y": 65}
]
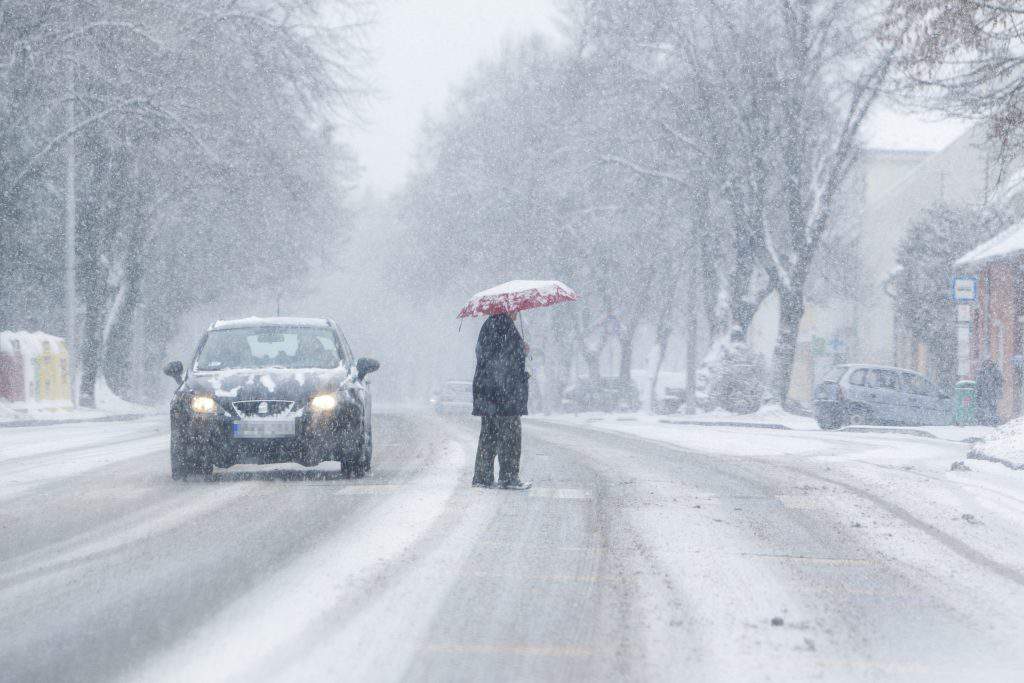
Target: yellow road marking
[
  {"x": 554, "y": 578},
  {"x": 512, "y": 649},
  {"x": 835, "y": 561}
]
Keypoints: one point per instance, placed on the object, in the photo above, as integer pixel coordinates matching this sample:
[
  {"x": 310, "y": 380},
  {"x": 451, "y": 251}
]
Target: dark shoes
[
  {"x": 483, "y": 484},
  {"x": 515, "y": 485}
]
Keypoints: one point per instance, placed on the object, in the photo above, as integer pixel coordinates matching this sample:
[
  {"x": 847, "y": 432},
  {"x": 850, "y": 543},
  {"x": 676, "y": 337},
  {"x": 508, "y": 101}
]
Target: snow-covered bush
[{"x": 733, "y": 378}]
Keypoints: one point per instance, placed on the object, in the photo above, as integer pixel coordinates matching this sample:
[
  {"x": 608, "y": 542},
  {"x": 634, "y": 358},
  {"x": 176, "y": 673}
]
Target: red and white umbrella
[{"x": 517, "y": 295}]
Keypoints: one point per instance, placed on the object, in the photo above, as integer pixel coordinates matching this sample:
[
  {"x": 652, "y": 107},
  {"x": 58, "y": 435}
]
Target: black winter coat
[{"x": 501, "y": 383}]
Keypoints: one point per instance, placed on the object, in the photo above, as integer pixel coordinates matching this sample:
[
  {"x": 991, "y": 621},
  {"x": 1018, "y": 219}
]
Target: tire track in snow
[{"x": 272, "y": 620}]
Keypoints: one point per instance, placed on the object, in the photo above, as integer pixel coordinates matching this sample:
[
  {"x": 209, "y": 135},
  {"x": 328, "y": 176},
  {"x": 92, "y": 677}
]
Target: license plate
[{"x": 263, "y": 429}]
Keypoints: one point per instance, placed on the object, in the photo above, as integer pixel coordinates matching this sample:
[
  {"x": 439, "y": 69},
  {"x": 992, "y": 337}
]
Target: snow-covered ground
[
  {"x": 645, "y": 551},
  {"x": 1005, "y": 446},
  {"x": 923, "y": 470}
]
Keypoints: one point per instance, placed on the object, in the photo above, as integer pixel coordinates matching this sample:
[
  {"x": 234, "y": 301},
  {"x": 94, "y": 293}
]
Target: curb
[
  {"x": 908, "y": 431},
  {"x": 128, "y": 417},
  {"x": 712, "y": 423}
]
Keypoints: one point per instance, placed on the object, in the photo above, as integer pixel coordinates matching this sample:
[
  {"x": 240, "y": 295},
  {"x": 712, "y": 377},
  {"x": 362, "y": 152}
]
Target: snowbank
[
  {"x": 1006, "y": 446},
  {"x": 108, "y": 405}
]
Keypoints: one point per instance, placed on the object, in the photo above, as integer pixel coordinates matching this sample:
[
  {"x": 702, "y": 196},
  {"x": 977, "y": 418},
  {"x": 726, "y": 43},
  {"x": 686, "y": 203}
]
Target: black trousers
[{"x": 501, "y": 437}]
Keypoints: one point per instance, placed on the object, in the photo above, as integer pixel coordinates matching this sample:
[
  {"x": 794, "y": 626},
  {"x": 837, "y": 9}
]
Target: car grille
[{"x": 253, "y": 408}]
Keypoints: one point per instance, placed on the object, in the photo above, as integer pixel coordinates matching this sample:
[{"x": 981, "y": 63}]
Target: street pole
[{"x": 70, "y": 223}]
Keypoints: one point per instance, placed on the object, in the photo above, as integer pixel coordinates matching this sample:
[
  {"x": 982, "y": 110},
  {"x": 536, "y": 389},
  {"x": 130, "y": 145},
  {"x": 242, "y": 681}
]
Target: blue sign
[{"x": 965, "y": 288}]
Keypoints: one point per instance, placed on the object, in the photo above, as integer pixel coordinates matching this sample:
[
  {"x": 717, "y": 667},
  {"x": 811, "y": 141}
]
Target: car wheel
[
  {"x": 351, "y": 459},
  {"x": 186, "y": 459},
  {"x": 362, "y": 468},
  {"x": 855, "y": 416}
]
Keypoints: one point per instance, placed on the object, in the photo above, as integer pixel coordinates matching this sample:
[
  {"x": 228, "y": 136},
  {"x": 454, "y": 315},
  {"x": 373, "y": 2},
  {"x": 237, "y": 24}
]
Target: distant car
[
  {"x": 605, "y": 394},
  {"x": 875, "y": 394},
  {"x": 271, "y": 390},
  {"x": 454, "y": 397}
]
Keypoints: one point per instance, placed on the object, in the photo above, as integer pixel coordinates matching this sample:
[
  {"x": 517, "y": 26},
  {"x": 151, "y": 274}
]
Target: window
[
  {"x": 916, "y": 384},
  {"x": 858, "y": 377},
  {"x": 269, "y": 347},
  {"x": 883, "y": 379}
]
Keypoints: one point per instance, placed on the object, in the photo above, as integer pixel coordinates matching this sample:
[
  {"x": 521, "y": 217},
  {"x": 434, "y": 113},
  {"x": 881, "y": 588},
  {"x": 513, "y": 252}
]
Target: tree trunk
[
  {"x": 791, "y": 312},
  {"x": 662, "y": 337},
  {"x": 118, "y": 343},
  {"x": 626, "y": 354},
  {"x": 91, "y": 350},
  {"x": 691, "y": 359}
]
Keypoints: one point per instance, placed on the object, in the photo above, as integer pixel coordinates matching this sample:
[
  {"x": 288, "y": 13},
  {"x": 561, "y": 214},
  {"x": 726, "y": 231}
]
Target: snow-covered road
[{"x": 641, "y": 554}]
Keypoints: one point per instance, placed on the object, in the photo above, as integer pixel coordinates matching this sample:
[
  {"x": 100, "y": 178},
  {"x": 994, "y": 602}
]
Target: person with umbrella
[
  {"x": 501, "y": 382},
  {"x": 500, "y": 396}
]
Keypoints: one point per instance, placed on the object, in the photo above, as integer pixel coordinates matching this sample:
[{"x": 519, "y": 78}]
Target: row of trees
[
  {"x": 187, "y": 144},
  {"x": 660, "y": 154}
]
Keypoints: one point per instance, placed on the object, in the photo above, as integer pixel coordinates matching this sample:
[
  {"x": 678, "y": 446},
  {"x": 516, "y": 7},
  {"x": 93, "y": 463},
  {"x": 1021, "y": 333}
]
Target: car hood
[{"x": 267, "y": 384}]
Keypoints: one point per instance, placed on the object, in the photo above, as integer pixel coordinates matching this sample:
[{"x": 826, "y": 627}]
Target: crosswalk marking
[
  {"x": 562, "y": 494},
  {"x": 367, "y": 489}
]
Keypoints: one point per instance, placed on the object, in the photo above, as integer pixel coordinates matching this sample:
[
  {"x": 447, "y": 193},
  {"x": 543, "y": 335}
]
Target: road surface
[{"x": 628, "y": 560}]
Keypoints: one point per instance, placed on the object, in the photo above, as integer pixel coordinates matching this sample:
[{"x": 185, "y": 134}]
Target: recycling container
[{"x": 964, "y": 394}]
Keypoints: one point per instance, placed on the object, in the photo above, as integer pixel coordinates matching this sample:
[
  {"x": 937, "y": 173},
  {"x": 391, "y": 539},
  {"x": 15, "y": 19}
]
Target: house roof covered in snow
[{"x": 1007, "y": 243}]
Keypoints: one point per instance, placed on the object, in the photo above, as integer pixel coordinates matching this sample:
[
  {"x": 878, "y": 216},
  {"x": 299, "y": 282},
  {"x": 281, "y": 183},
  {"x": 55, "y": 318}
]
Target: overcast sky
[{"x": 424, "y": 47}]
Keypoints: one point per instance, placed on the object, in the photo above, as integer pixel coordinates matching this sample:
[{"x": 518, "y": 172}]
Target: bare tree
[{"x": 963, "y": 57}]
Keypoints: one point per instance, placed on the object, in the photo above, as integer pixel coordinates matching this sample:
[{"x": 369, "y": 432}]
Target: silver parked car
[
  {"x": 454, "y": 397},
  {"x": 875, "y": 394}
]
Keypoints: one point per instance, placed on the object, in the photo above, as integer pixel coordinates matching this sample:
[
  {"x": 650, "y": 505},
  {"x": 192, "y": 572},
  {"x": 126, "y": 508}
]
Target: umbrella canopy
[{"x": 517, "y": 295}]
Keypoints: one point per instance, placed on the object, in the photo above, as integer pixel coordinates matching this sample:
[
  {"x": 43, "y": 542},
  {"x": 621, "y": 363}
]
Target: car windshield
[{"x": 278, "y": 347}]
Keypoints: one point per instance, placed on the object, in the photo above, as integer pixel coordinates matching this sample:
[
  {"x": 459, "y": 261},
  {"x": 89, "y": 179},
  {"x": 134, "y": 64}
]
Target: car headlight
[
  {"x": 204, "y": 404},
  {"x": 323, "y": 402}
]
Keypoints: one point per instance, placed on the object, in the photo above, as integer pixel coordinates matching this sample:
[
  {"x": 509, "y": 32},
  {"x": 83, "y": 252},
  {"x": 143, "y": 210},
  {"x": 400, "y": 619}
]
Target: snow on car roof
[
  {"x": 277, "y": 321},
  {"x": 875, "y": 366}
]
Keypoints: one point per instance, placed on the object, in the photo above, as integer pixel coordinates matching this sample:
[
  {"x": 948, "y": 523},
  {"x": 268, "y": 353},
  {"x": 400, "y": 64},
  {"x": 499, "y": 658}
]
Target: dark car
[
  {"x": 876, "y": 394},
  {"x": 271, "y": 390}
]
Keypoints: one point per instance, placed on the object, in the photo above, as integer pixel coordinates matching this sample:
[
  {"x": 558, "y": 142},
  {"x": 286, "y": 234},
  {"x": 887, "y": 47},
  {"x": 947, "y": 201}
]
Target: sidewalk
[
  {"x": 109, "y": 408},
  {"x": 774, "y": 418}
]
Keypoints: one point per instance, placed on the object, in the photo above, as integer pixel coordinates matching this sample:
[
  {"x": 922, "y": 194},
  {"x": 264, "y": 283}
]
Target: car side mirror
[
  {"x": 364, "y": 366},
  {"x": 175, "y": 370}
]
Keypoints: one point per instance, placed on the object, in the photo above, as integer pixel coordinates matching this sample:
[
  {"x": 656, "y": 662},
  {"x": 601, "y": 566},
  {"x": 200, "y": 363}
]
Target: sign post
[{"x": 964, "y": 293}]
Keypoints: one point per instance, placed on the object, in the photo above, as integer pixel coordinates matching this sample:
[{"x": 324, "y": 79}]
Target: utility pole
[{"x": 70, "y": 224}]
